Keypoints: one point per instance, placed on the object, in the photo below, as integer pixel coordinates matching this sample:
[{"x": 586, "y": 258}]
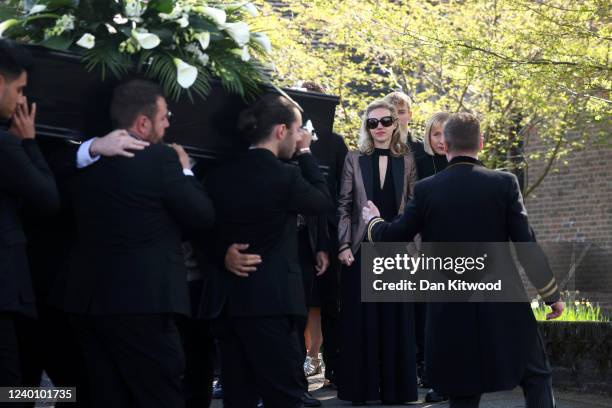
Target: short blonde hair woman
[
  {"x": 383, "y": 171},
  {"x": 434, "y": 158}
]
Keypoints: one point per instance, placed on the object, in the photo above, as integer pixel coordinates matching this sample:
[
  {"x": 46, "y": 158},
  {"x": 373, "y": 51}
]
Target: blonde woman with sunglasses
[{"x": 377, "y": 347}]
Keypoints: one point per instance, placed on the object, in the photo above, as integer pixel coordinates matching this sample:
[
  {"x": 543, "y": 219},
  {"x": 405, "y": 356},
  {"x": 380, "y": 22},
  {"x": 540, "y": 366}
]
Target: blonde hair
[
  {"x": 401, "y": 100},
  {"x": 398, "y": 99},
  {"x": 366, "y": 142},
  {"x": 438, "y": 118}
]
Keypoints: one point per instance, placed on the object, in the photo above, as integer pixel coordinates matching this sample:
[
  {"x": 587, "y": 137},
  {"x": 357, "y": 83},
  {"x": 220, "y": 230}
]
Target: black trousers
[
  {"x": 536, "y": 382},
  {"x": 199, "y": 346},
  {"x": 134, "y": 361},
  {"x": 330, "y": 314},
  {"x": 420, "y": 317},
  {"x": 49, "y": 344},
  {"x": 261, "y": 358},
  {"x": 10, "y": 371},
  {"x": 301, "y": 323}
]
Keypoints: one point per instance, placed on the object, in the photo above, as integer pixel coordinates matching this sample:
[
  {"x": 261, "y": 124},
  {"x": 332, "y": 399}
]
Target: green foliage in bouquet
[{"x": 182, "y": 44}]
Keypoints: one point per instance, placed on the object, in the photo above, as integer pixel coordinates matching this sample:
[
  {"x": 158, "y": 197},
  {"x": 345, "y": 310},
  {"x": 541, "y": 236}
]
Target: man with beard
[
  {"x": 257, "y": 198},
  {"x": 126, "y": 279}
]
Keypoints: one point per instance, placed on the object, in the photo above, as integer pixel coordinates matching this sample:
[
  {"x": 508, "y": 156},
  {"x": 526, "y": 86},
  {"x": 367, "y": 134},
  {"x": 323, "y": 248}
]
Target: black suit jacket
[
  {"x": 474, "y": 347},
  {"x": 257, "y": 198},
  {"x": 25, "y": 180},
  {"x": 51, "y": 238},
  {"x": 128, "y": 257}
]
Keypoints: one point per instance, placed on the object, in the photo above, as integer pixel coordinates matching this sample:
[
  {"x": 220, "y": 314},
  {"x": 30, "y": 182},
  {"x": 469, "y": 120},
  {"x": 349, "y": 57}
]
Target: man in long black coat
[
  {"x": 126, "y": 278},
  {"x": 257, "y": 198},
  {"x": 474, "y": 348}
]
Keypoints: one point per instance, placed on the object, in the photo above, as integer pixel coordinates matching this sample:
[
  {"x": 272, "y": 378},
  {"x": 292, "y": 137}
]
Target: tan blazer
[{"x": 357, "y": 187}]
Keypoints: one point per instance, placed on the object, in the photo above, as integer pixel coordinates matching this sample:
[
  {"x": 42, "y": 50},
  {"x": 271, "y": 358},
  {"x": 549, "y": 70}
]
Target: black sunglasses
[{"x": 386, "y": 121}]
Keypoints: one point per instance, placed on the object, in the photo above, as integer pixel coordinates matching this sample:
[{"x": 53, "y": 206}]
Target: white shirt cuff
[
  {"x": 84, "y": 159},
  {"x": 188, "y": 172}
]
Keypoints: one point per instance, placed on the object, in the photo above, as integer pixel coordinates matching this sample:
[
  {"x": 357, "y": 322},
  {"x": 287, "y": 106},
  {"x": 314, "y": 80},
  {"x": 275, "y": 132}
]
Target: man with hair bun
[{"x": 255, "y": 309}]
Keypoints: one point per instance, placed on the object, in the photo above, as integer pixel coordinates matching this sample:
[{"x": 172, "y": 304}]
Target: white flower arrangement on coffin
[{"x": 182, "y": 44}]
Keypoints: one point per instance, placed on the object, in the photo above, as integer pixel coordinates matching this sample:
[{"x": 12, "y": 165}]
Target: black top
[
  {"x": 257, "y": 198},
  {"x": 25, "y": 181},
  {"x": 384, "y": 198},
  {"x": 429, "y": 165},
  {"x": 426, "y": 164},
  {"x": 129, "y": 213}
]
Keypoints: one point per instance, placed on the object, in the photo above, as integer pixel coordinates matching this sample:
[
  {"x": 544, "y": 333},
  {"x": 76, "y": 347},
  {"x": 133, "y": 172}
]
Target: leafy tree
[{"x": 525, "y": 67}]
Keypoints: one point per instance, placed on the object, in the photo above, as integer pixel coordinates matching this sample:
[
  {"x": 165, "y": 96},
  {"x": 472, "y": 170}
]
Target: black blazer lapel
[
  {"x": 397, "y": 167},
  {"x": 367, "y": 173}
]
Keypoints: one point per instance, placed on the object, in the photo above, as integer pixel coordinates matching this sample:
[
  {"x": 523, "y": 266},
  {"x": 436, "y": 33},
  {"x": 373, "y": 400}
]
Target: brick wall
[{"x": 571, "y": 212}]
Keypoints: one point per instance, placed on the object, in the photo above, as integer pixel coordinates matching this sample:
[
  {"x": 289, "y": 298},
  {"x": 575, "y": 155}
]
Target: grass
[{"x": 576, "y": 310}]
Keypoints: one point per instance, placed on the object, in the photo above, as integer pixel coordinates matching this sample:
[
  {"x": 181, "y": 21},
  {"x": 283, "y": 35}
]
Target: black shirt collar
[
  {"x": 466, "y": 160},
  {"x": 260, "y": 151}
]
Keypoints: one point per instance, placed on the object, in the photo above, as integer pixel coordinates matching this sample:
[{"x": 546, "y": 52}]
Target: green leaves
[
  {"x": 56, "y": 4},
  {"x": 162, "y": 6},
  {"x": 161, "y": 67},
  {"x": 145, "y": 37},
  {"x": 59, "y": 43},
  {"x": 202, "y": 24},
  {"x": 107, "y": 60},
  {"x": 532, "y": 71}
]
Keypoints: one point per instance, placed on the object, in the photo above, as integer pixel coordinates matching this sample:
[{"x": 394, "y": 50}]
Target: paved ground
[{"x": 512, "y": 399}]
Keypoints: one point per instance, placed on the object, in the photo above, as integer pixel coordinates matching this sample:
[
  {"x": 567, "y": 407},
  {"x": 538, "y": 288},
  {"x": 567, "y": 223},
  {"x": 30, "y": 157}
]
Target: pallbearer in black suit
[
  {"x": 49, "y": 343},
  {"x": 377, "y": 347},
  {"x": 474, "y": 348},
  {"x": 25, "y": 180},
  {"x": 257, "y": 198},
  {"x": 126, "y": 278}
]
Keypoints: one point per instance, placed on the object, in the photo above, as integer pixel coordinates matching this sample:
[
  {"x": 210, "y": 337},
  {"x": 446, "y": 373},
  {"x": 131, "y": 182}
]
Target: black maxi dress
[{"x": 378, "y": 352}]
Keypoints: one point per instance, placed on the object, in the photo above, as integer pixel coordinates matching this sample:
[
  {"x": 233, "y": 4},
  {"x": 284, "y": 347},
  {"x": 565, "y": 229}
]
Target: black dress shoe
[
  {"x": 358, "y": 403},
  {"x": 309, "y": 401},
  {"x": 217, "y": 392},
  {"x": 433, "y": 396}
]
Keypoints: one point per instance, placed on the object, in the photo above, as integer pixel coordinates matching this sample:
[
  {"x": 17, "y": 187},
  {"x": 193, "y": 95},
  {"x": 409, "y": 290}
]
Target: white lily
[
  {"x": 204, "y": 39},
  {"x": 263, "y": 40},
  {"x": 134, "y": 9},
  {"x": 251, "y": 9},
  {"x": 215, "y": 14},
  {"x": 244, "y": 55},
  {"x": 119, "y": 19},
  {"x": 5, "y": 25},
  {"x": 183, "y": 21},
  {"x": 87, "y": 41},
  {"x": 39, "y": 8},
  {"x": 146, "y": 40},
  {"x": 186, "y": 74},
  {"x": 239, "y": 32}
]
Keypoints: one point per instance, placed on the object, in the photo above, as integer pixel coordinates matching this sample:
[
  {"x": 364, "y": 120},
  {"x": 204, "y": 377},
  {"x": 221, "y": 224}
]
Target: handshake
[{"x": 369, "y": 211}]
